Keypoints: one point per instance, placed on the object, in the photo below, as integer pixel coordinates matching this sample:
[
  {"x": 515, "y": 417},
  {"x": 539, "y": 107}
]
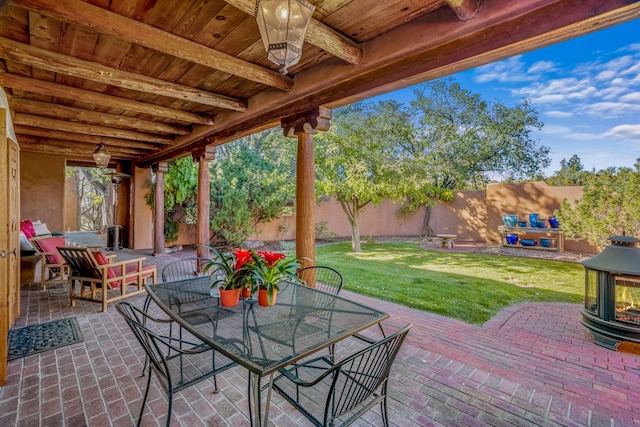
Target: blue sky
[{"x": 586, "y": 90}]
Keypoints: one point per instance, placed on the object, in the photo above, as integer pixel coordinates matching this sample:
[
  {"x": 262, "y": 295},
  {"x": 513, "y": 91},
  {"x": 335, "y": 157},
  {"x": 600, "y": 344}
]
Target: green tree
[
  {"x": 180, "y": 195},
  {"x": 252, "y": 180},
  {"x": 470, "y": 141},
  {"x": 459, "y": 141},
  {"x": 571, "y": 173},
  {"x": 356, "y": 161},
  {"x": 610, "y": 205}
]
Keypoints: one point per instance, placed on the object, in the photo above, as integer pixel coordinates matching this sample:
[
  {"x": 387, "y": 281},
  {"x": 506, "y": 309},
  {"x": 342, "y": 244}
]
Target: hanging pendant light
[
  {"x": 282, "y": 25},
  {"x": 101, "y": 156}
]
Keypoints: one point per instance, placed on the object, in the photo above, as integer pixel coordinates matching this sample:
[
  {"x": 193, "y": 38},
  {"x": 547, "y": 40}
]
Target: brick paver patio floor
[{"x": 532, "y": 364}]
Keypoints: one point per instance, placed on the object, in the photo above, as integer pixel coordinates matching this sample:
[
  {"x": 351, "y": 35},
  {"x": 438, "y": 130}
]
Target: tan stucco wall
[
  {"x": 465, "y": 216},
  {"x": 70, "y": 207},
  {"x": 42, "y": 189},
  {"x": 525, "y": 198},
  {"x": 141, "y": 216}
]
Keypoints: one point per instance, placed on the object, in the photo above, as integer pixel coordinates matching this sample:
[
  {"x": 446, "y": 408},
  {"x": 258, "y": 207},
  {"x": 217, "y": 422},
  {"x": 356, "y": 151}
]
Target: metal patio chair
[
  {"x": 323, "y": 278},
  {"x": 329, "y": 393},
  {"x": 178, "y": 363},
  {"x": 187, "y": 268}
]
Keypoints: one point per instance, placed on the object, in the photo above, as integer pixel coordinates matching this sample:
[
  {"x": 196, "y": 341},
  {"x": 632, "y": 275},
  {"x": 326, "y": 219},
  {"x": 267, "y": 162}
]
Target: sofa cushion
[
  {"x": 147, "y": 271},
  {"x": 50, "y": 244},
  {"x": 26, "y": 227},
  {"x": 101, "y": 259}
]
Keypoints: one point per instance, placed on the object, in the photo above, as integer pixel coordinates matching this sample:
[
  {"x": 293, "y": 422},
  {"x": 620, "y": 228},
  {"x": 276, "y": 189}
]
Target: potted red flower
[
  {"x": 267, "y": 270},
  {"x": 228, "y": 275}
]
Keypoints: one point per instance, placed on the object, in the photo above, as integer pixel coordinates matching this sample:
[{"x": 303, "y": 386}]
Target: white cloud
[
  {"x": 606, "y": 75},
  {"x": 608, "y": 110},
  {"x": 631, "y": 97},
  {"x": 556, "y": 130},
  {"x": 559, "y": 114},
  {"x": 624, "y": 132},
  {"x": 541, "y": 67},
  {"x": 509, "y": 70}
]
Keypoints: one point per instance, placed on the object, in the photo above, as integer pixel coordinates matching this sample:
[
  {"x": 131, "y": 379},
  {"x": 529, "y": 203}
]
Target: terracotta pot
[
  {"x": 263, "y": 297},
  {"x": 229, "y": 297},
  {"x": 246, "y": 293}
]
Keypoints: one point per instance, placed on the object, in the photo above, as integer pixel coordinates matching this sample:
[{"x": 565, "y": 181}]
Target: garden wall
[{"x": 473, "y": 215}]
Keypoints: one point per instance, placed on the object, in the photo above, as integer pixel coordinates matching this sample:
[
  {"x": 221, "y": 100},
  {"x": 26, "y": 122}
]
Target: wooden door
[{"x": 9, "y": 240}]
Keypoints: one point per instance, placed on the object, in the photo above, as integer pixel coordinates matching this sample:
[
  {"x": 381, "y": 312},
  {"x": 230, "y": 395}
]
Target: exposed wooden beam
[
  {"x": 318, "y": 34},
  {"x": 67, "y": 92},
  {"x": 44, "y": 122},
  {"x": 44, "y": 59},
  {"x": 57, "y": 111},
  {"x": 53, "y": 146},
  {"x": 464, "y": 9},
  {"x": 107, "y": 22},
  {"x": 80, "y": 137}
]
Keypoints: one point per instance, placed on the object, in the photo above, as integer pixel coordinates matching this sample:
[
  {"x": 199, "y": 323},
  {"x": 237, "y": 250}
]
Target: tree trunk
[
  {"x": 355, "y": 228},
  {"x": 426, "y": 229}
]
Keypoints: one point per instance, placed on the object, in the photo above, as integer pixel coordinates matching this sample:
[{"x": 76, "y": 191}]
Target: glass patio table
[{"x": 264, "y": 339}]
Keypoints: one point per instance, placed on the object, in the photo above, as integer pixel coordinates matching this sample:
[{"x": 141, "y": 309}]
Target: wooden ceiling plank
[
  {"x": 318, "y": 34},
  {"x": 69, "y": 92},
  {"x": 41, "y": 58},
  {"x": 87, "y": 116},
  {"x": 107, "y": 22},
  {"x": 94, "y": 140},
  {"x": 44, "y": 122},
  {"x": 14, "y": 23},
  {"x": 380, "y": 17}
]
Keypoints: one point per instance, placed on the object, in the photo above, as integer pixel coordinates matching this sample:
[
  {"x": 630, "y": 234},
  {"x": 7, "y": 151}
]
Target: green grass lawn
[{"x": 466, "y": 286}]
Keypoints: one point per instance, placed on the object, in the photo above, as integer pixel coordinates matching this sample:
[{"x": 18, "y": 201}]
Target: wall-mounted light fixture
[{"x": 282, "y": 25}]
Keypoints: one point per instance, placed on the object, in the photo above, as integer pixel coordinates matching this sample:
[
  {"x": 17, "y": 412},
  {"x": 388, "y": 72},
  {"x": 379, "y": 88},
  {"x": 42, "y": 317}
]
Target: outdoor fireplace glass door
[{"x": 627, "y": 302}]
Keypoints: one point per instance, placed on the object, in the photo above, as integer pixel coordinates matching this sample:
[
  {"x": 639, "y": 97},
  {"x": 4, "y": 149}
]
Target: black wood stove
[{"x": 612, "y": 293}]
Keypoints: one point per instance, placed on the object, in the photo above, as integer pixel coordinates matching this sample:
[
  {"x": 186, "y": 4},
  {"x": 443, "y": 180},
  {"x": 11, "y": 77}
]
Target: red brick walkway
[{"x": 532, "y": 364}]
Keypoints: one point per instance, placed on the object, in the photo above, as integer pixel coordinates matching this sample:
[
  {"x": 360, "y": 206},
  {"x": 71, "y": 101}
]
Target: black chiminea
[{"x": 612, "y": 293}]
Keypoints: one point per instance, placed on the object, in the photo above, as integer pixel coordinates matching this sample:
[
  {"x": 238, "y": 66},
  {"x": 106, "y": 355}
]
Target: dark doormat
[{"x": 43, "y": 336}]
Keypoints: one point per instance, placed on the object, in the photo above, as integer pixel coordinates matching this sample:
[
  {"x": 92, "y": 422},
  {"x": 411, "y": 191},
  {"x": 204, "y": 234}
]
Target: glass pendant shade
[
  {"x": 282, "y": 25},
  {"x": 101, "y": 156}
]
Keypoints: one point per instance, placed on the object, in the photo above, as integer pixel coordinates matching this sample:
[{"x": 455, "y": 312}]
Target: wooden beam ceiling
[
  {"x": 30, "y": 106},
  {"x": 105, "y": 22},
  {"x": 147, "y": 78},
  {"x": 508, "y": 28},
  {"x": 46, "y": 60},
  {"x": 36, "y": 86}
]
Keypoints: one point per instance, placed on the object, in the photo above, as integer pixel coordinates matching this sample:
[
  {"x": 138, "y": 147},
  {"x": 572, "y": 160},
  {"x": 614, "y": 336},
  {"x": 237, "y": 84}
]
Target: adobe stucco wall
[
  {"x": 70, "y": 206},
  {"x": 465, "y": 216},
  {"x": 142, "y": 217},
  {"x": 525, "y": 198},
  {"x": 42, "y": 189}
]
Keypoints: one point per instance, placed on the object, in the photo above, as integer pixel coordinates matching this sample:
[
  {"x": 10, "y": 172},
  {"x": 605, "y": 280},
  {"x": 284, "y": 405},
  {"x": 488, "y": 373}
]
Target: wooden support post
[
  {"x": 303, "y": 126},
  {"x": 158, "y": 209},
  {"x": 203, "y": 156}
]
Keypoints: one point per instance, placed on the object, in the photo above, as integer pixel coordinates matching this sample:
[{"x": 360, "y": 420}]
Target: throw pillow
[
  {"x": 41, "y": 229},
  {"x": 50, "y": 244}
]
